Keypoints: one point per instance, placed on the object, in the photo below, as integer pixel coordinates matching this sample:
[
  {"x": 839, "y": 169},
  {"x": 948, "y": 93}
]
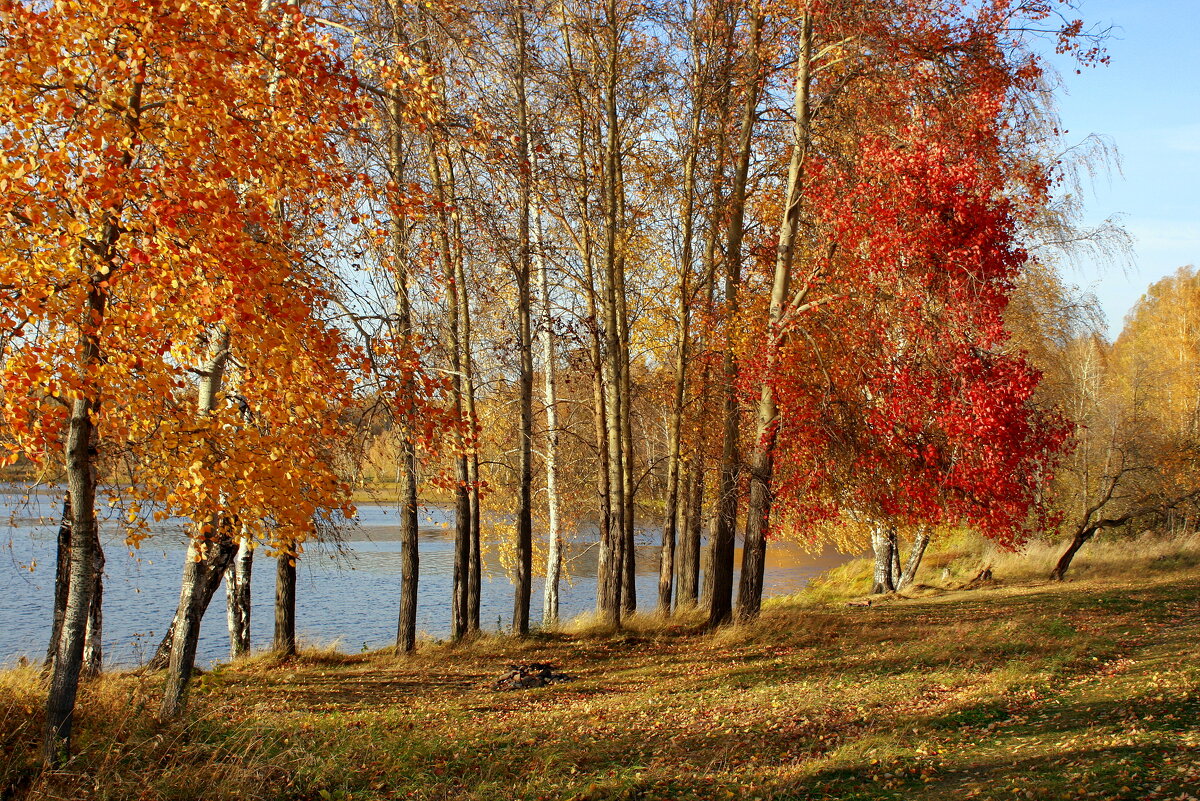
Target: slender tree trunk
[
  {"x": 758, "y": 512},
  {"x": 93, "y": 650},
  {"x": 586, "y": 243},
  {"x": 920, "y": 543},
  {"x": 453, "y": 332},
  {"x": 894, "y": 542},
  {"x": 206, "y": 565},
  {"x": 720, "y": 609},
  {"x": 554, "y": 535},
  {"x": 474, "y": 552},
  {"x": 612, "y": 332},
  {"x": 237, "y": 599},
  {"x": 523, "y": 573},
  {"x": 883, "y": 546},
  {"x": 80, "y": 451},
  {"x": 406, "y": 624},
  {"x": 285, "y": 605},
  {"x": 208, "y": 556},
  {"x": 62, "y": 578},
  {"x": 628, "y": 485},
  {"x": 81, "y": 479}
]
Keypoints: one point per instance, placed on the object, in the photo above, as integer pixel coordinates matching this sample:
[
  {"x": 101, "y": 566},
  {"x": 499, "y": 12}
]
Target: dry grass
[
  {"x": 1084, "y": 689},
  {"x": 1129, "y": 557}
]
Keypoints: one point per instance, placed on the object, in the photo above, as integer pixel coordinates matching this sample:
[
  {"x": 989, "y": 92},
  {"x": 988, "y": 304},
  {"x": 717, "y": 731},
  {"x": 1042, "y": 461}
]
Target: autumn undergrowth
[{"x": 1015, "y": 689}]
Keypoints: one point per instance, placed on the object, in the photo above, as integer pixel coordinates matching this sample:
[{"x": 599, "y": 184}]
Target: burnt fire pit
[{"x": 525, "y": 677}]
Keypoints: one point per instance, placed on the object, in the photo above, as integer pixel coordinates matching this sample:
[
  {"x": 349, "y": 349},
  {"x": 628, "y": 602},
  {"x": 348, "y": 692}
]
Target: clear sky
[{"x": 1148, "y": 101}]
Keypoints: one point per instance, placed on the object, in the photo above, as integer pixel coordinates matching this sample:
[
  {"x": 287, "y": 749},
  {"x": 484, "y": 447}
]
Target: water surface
[{"x": 347, "y": 594}]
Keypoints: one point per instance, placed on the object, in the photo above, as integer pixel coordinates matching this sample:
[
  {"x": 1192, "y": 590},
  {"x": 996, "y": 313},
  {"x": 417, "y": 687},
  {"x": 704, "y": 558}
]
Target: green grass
[{"x": 1088, "y": 689}]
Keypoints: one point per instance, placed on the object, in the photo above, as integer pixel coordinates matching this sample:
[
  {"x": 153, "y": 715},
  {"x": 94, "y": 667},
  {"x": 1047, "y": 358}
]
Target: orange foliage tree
[{"x": 165, "y": 164}]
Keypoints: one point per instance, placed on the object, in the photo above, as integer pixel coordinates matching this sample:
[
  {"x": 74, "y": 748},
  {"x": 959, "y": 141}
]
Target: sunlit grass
[{"x": 1084, "y": 689}]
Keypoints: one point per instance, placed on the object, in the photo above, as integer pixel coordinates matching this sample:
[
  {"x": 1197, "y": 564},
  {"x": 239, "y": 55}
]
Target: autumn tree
[
  {"x": 1136, "y": 401},
  {"x": 153, "y": 149}
]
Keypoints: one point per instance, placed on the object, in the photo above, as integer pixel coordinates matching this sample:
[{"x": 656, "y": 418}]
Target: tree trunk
[
  {"x": 473, "y": 554},
  {"x": 758, "y": 513},
  {"x": 689, "y": 550},
  {"x": 62, "y": 578},
  {"x": 93, "y": 650},
  {"x": 199, "y": 571},
  {"x": 883, "y": 546},
  {"x": 895, "y": 545},
  {"x": 720, "y": 609},
  {"x": 628, "y": 485},
  {"x": 205, "y": 566},
  {"x": 920, "y": 543},
  {"x": 453, "y": 334},
  {"x": 81, "y": 480},
  {"x": 550, "y": 597},
  {"x": 237, "y": 599},
  {"x": 611, "y": 353},
  {"x": 706, "y": 591},
  {"x": 1082, "y": 535},
  {"x": 523, "y": 572},
  {"x": 406, "y": 624},
  {"x": 210, "y": 581},
  {"x": 285, "y": 605}
]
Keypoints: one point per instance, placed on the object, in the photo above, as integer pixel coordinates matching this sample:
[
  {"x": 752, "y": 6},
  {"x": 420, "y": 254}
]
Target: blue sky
[{"x": 1148, "y": 101}]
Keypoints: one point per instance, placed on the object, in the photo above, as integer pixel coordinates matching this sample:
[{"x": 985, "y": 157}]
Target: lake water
[{"x": 348, "y": 595}]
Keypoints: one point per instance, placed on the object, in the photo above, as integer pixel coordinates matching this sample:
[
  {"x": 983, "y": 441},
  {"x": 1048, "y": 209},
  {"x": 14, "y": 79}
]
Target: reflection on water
[{"x": 347, "y": 594}]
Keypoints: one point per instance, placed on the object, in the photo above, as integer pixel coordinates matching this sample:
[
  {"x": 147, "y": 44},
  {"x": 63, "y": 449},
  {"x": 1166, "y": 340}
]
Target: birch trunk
[
  {"x": 62, "y": 578},
  {"x": 81, "y": 478},
  {"x": 628, "y": 486},
  {"x": 208, "y": 556},
  {"x": 80, "y": 451},
  {"x": 237, "y": 599},
  {"x": 209, "y": 583},
  {"x": 611, "y": 600},
  {"x": 758, "y": 512},
  {"x": 474, "y": 553},
  {"x": 93, "y": 650},
  {"x": 920, "y": 543},
  {"x": 882, "y": 545},
  {"x": 550, "y": 597}
]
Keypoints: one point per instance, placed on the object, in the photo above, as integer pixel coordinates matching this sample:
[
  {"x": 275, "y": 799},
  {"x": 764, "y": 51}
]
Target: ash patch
[{"x": 525, "y": 677}]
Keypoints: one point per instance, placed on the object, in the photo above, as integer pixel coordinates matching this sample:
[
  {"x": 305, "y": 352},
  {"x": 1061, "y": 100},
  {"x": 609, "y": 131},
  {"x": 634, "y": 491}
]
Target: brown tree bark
[
  {"x": 406, "y": 624},
  {"x": 523, "y": 572},
  {"x": 720, "y": 609},
  {"x": 285, "y": 605}
]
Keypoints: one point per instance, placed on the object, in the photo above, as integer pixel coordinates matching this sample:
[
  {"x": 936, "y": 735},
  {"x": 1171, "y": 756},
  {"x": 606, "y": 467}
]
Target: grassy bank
[{"x": 1018, "y": 689}]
